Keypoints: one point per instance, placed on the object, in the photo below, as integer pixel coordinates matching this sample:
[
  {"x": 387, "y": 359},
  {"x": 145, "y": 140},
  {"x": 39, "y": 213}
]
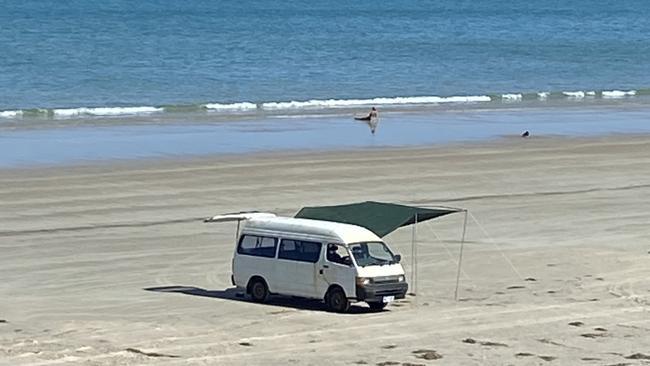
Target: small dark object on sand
[
  {"x": 577, "y": 324},
  {"x": 600, "y": 329},
  {"x": 2, "y": 321},
  {"x": 531, "y": 279},
  {"x": 150, "y": 354},
  {"x": 525, "y": 134},
  {"x": 638, "y": 356},
  {"x": 592, "y": 335},
  {"x": 387, "y": 363},
  {"x": 514, "y": 287},
  {"x": 412, "y": 364},
  {"x": 469, "y": 340},
  {"x": 361, "y": 362},
  {"x": 246, "y": 344},
  {"x": 389, "y": 346}
]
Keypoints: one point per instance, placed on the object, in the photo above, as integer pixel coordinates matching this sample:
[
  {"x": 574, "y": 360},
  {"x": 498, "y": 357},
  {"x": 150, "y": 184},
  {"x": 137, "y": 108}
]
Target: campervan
[{"x": 338, "y": 263}]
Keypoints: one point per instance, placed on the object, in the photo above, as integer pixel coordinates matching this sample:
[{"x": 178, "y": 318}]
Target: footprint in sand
[
  {"x": 150, "y": 354},
  {"x": 246, "y": 344},
  {"x": 389, "y": 346},
  {"x": 387, "y": 363},
  {"x": 514, "y": 287},
  {"x": 524, "y": 354},
  {"x": 547, "y": 358},
  {"x": 576, "y": 324},
  {"x": 638, "y": 356},
  {"x": 484, "y": 343},
  {"x": 427, "y": 354},
  {"x": 600, "y": 329}
]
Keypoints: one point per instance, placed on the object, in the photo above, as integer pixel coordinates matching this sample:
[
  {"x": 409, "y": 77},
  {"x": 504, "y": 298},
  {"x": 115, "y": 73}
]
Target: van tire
[
  {"x": 258, "y": 289},
  {"x": 336, "y": 300},
  {"x": 377, "y": 305}
]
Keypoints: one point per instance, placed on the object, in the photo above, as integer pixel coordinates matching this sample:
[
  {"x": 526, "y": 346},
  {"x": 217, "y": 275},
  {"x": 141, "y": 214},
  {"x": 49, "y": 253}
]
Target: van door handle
[{"x": 326, "y": 266}]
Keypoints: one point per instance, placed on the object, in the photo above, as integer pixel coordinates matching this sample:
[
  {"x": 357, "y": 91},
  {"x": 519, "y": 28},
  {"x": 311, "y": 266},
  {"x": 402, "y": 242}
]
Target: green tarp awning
[{"x": 378, "y": 217}]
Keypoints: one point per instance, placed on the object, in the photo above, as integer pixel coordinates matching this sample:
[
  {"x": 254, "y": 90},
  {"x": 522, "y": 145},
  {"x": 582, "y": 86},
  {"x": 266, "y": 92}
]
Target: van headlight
[
  {"x": 363, "y": 281},
  {"x": 400, "y": 278}
]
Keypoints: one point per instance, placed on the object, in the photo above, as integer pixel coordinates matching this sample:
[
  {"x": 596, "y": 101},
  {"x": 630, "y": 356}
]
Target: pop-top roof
[{"x": 344, "y": 233}]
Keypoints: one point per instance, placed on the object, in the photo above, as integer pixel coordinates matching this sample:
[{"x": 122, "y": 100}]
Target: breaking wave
[{"x": 312, "y": 106}]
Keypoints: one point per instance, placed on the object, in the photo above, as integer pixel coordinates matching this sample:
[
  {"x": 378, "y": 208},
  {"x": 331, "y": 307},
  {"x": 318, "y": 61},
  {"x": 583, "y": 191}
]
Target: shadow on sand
[{"x": 235, "y": 294}]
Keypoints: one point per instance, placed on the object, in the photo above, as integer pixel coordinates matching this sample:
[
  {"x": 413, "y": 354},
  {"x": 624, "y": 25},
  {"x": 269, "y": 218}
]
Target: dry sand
[{"x": 80, "y": 246}]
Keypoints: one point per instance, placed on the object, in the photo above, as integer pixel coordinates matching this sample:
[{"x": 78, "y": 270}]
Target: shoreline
[
  {"x": 96, "y": 144},
  {"x": 444, "y": 148}
]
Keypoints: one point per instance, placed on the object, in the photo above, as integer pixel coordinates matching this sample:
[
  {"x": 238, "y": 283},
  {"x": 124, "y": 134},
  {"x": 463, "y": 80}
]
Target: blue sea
[{"x": 88, "y": 72}]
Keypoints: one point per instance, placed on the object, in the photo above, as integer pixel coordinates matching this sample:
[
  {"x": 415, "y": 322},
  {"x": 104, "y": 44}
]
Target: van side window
[
  {"x": 299, "y": 250},
  {"x": 260, "y": 246}
]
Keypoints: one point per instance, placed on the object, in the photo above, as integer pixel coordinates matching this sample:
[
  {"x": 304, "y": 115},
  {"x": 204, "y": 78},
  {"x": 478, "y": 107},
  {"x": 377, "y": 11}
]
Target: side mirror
[{"x": 397, "y": 258}]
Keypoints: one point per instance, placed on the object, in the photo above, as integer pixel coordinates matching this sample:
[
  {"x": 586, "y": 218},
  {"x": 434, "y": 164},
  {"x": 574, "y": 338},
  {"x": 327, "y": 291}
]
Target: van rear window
[
  {"x": 260, "y": 246},
  {"x": 299, "y": 250}
]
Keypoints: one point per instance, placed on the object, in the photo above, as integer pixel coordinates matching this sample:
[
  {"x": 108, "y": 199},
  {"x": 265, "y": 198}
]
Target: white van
[{"x": 336, "y": 262}]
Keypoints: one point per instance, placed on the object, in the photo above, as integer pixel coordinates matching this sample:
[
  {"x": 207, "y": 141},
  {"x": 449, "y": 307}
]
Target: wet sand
[{"x": 110, "y": 264}]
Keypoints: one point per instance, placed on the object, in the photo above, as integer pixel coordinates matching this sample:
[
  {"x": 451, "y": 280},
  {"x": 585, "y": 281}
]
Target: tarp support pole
[
  {"x": 414, "y": 255},
  {"x": 237, "y": 232},
  {"x": 460, "y": 257}
]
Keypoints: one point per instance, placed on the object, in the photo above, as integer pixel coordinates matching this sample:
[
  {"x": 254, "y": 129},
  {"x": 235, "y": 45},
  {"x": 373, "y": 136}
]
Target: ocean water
[
  {"x": 196, "y": 54},
  {"x": 158, "y": 62}
]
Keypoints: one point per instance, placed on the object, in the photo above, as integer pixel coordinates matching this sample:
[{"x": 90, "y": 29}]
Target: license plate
[{"x": 388, "y": 299}]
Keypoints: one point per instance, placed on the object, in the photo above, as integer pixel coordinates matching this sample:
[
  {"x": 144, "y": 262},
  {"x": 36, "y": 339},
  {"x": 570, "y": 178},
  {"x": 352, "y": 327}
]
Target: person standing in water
[{"x": 372, "y": 119}]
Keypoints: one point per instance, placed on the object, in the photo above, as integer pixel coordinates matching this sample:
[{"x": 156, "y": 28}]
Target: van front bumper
[{"x": 374, "y": 292}]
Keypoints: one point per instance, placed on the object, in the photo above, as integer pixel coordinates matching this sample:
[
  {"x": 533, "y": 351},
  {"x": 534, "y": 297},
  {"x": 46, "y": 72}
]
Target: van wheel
[
  {"x": 377, "y": 305},
  {"x": 336, "y": 300},
  {"x": 258, "y": 290}
]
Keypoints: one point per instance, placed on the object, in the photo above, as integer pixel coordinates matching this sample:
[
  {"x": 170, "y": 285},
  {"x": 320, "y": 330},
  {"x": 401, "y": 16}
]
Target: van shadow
[{"x": 235, "y": 294}]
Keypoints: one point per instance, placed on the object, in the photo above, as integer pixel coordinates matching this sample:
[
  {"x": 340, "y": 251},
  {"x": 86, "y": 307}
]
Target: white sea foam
[
  {"x": 11, "y": 114},
  {"x": 339, "y": 103},
  {"x": 591, "y": 93},
  {"x": 618, "y": 93},
  {"x": 105, "y": 111},
  {"x": 242, "y": 106},
  {"x": 543, "y": 95},
  {"x": 574, "y": 94},
  {"x": 511, "y": 97}
]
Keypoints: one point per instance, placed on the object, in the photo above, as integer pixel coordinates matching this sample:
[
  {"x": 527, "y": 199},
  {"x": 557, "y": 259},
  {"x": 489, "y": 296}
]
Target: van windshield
[{"x": 374, "y": 253}]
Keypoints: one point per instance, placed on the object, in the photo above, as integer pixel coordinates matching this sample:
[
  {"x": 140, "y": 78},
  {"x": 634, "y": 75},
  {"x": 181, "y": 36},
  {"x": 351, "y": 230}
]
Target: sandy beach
[{"x": 111, "y": 264}]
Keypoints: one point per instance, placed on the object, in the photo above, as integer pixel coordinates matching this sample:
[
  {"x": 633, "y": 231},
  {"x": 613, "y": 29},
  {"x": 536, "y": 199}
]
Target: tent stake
[{"x": 460, "y": 257}]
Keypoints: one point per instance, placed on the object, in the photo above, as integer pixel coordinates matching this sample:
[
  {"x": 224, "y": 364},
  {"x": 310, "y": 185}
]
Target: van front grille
[{"x": 386, "y": 279}]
